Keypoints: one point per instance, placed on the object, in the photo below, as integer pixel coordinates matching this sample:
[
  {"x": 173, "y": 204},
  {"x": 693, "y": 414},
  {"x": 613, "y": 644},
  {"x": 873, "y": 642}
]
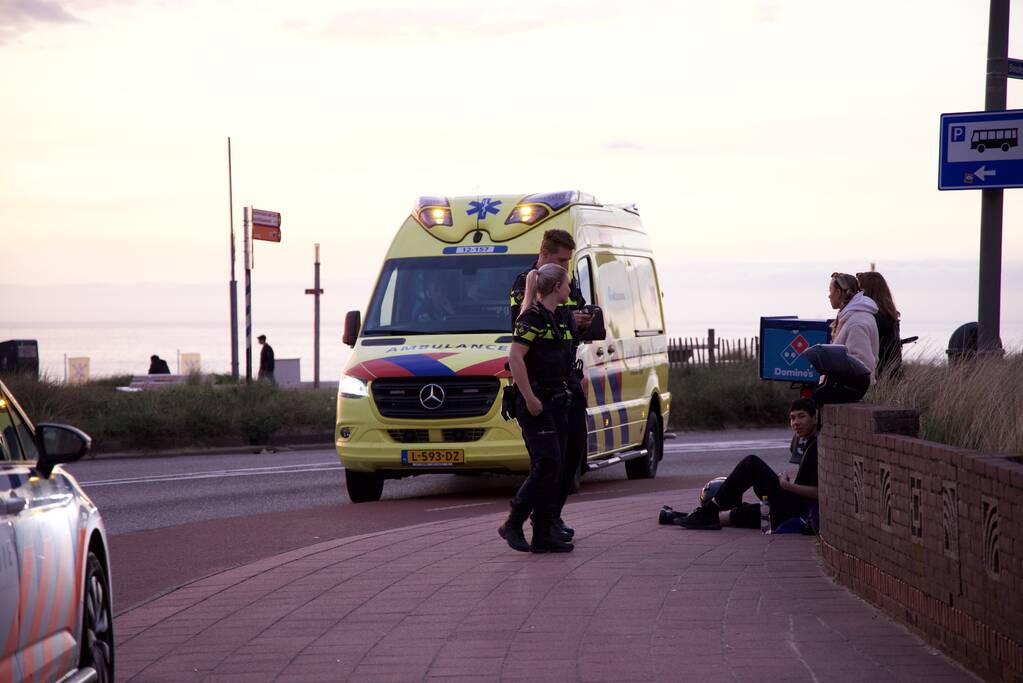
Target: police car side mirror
[
  {"x": 59, "y": 444},
  {"x": 353, "y": 323}
]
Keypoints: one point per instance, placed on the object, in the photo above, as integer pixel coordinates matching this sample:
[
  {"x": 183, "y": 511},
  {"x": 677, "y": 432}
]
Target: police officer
[
  {"x": 539, "y": 362},
  {"x": 557, "y": 247}
]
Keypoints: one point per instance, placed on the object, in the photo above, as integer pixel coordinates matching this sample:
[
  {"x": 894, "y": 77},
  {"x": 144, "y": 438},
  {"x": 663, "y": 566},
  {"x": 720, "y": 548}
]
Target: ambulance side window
[
  {"x": 646, "y": 295},
  {"x": 615, "y": 295},
  {"x": 582, "y": 274}
]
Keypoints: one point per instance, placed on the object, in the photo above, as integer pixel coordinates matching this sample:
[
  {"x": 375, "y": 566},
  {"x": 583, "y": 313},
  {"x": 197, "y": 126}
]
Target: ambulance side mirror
[{"x": 353, "y": 323}]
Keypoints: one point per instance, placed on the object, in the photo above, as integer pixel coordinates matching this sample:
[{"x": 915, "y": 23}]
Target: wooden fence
[{"x": 712, "y": 351}]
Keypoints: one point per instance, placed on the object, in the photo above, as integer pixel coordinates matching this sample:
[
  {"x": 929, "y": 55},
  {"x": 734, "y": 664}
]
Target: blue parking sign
[{"x": 981, "y": 150}]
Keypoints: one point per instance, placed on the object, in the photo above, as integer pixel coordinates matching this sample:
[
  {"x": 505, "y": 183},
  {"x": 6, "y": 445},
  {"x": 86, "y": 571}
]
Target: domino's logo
[{"x": 791, "y": 353}]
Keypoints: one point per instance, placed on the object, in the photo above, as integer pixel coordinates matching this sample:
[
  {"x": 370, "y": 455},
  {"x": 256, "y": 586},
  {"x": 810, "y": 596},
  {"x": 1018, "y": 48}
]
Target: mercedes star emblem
[{"x": 431, "y": 396}]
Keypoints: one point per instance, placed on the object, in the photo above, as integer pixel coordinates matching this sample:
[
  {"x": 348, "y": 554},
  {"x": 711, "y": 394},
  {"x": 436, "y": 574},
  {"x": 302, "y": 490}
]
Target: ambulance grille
[
  {"x": 463, "y": 396},
  {"x": 445, "y": 435}
]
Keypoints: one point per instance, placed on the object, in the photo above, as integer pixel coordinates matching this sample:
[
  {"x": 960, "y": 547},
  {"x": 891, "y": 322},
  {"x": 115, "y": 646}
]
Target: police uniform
[
  {"x": 549, "y": 341},
  {"x": 574, "y": 453}
]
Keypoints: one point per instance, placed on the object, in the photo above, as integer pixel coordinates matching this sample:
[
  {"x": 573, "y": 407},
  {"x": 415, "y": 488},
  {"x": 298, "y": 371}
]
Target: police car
[{"x": 56, "y": 622}]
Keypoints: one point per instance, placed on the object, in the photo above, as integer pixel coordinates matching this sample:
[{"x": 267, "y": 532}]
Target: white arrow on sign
[{"x": 983, "y": 173}]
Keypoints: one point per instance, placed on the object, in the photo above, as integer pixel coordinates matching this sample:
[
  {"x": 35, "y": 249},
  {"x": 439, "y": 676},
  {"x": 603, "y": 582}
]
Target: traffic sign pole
[
  {"x": 316, "y": 292},
  {"x": 248, "y": 298},
  {"x": 989, "y": 289},
  {"x": 233, "y": 285}
]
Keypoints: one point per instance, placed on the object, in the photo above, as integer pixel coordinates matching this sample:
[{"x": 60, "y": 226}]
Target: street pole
[
  {"x": 989, "y": 290},
  {"x": 248, "y": 294},
  {"x": 316, "y": 292},
  {"x": 233, "y": 287}
]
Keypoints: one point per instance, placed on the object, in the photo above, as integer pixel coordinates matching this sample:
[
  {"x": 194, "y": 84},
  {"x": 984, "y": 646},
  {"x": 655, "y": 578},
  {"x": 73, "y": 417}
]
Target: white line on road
[
  {"x": 725, "y": 446},
  {"x": 707, "y": 446}
]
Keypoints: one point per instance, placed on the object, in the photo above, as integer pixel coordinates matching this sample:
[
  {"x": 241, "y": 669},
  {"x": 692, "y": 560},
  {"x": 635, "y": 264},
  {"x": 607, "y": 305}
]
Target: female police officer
[{"x": 540, "y": 360}]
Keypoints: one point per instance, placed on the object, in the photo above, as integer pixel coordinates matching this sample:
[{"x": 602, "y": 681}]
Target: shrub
[
  {"x": 977, "y": 404},
  {"x": 727, "y": 395}
]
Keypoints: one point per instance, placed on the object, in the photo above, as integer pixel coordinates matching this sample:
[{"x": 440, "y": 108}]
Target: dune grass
[
  {"x": 195, "y": 414},
  {"x": 728, "y": 395},
  {"x": 977, "y": 404}
]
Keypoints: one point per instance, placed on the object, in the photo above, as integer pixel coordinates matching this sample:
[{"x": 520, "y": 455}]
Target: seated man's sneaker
[
  {"x": 669, "y": 516},
  {"x": 704, "y": 517}
]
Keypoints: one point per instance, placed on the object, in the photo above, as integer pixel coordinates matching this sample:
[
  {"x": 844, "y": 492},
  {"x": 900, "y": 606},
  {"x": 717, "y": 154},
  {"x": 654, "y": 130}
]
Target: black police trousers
[
  {"x": 576, "y": 444},
  {"x": 752, "y": 472},
  {"x": 546, "y": 437}
]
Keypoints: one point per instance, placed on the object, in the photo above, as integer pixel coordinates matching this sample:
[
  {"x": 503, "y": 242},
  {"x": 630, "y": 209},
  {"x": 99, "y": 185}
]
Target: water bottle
[{"x": 765, "y": 516}]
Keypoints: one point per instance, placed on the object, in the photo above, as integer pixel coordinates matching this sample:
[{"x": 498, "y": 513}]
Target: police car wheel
[
  {"x": 364, "y": 487},
  {"x": 653, "y": 442},
  {"x": 97, "y": 639}
]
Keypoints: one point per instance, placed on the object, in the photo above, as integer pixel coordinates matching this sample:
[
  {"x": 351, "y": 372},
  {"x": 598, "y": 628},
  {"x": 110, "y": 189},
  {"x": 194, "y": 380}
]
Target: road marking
[
  {"x": 761, "y": 444},
  {"x": 216, "y": 474},
  {"x": 706, "y": 446},
  {"x": 458, "y": 507}
]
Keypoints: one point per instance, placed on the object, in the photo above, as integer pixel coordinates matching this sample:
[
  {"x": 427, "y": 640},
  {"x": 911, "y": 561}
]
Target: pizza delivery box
[{"x": 783, "y": 339}]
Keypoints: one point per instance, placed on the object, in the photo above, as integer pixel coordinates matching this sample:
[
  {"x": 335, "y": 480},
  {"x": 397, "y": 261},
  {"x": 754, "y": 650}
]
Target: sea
[{"x": 118, "y": 328}]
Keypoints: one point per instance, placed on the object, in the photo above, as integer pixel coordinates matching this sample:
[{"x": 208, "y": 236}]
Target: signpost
[
  {"x": 265, "y": 225},
  {"x": 981, "y": 150},
  {"x": 316, "y": 292}
]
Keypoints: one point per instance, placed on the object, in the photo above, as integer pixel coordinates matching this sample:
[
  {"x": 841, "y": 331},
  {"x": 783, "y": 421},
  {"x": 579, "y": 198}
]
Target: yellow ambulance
[{"x": 421, "y": 392}]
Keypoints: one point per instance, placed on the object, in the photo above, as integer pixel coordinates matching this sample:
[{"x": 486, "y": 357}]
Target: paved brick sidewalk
[{"x": 450, "y": 601}]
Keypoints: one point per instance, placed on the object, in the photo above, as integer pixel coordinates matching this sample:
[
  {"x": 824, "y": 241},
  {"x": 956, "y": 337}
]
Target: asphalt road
[{"x": 172, "y": 520}]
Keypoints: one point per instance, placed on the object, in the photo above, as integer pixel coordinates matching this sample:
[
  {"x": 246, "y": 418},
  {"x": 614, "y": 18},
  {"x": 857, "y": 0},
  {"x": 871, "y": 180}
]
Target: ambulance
[{"x": 421, "y": 392}]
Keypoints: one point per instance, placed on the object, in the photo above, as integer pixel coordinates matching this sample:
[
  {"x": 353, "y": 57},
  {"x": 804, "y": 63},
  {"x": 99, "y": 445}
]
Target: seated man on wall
[{"x": 790, "y": 494}]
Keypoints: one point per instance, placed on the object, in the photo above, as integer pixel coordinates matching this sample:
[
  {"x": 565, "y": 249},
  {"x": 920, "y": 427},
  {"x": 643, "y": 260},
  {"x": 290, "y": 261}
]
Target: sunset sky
[{"x": 747, "y": 131}]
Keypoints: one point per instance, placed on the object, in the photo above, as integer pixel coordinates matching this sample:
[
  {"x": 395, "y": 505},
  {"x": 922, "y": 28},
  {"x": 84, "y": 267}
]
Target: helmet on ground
[{"x": 710, "y": 489}]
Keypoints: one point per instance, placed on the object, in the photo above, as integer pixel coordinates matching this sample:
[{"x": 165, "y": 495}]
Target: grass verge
[
  {"x": 731, "y": 395},
  {"x": 977, "y": 404},
  {"x": 189, "y": 415}
]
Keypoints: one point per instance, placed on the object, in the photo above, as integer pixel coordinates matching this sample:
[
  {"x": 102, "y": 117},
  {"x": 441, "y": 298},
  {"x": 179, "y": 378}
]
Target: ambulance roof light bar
[
  {"x": 432, "y": 211},
  {"x": 536, "y": 208}
]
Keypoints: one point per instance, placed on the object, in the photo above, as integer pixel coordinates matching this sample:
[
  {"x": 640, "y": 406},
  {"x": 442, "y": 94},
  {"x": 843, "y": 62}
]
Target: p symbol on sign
[{"x": 958, "y": 133}]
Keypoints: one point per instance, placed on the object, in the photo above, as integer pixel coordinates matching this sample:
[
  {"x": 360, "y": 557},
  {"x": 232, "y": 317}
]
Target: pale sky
[{"x": 746, "y": 130}]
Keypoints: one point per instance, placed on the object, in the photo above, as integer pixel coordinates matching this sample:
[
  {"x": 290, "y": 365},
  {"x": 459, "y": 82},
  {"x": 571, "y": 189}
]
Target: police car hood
[{"x": 476, "y": 356}]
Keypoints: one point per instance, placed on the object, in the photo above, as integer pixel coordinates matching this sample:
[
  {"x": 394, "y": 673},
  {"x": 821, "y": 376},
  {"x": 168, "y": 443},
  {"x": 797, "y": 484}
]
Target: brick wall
[{"x": 931, "y": 534}]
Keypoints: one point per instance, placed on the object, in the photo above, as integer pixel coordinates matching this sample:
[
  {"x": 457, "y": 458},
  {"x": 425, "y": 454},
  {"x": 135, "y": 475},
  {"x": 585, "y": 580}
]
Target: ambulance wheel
[
  {"x": 363, "y": 487},
  {"x": 653, "y": 442},
  {"x": 97, "y": 639}
]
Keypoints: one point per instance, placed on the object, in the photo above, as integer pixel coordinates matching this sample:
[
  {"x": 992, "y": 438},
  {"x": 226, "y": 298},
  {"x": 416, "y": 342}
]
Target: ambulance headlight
[
  {"x": 432, "y": 211},
  {"x": 528, "y": 214},
  {"x": 353, "y": 387}
]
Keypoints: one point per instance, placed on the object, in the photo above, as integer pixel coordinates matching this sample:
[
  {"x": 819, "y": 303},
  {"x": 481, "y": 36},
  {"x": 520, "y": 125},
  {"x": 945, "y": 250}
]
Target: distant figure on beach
[
  {"x": 266, "y": 360},
  {"x": 158, "y": 366},
  {"x": 889, "y": 357}
]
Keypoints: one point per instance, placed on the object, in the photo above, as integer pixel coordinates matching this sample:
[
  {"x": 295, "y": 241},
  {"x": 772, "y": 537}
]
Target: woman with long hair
[
  {"x": 889, "y": 357},
  {"x": 540, "y": 360},
  {"x": 856, "y": 330}
]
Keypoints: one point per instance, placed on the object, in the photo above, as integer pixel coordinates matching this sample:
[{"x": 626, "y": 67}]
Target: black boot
[
  {"x": 511, "y": 531},
  {"x": 544, "y": 542},
  {"x": 556, "y": 532},
  {"x": 559, "y": 522}
]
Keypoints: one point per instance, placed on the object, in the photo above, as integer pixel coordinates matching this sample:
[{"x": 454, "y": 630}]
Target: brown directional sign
[{"x": 265, "y": 232}]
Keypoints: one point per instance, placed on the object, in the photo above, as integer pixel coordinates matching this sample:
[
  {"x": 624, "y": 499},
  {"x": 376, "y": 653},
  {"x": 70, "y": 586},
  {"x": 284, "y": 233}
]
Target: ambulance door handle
[{"x": 14, "y": 505}]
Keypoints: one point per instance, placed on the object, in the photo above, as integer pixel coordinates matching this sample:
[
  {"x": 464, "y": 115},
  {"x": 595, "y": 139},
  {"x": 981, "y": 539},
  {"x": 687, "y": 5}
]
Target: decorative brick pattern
[
  {"x": 931, "y": 534},
  {"x": 991, "y": 549},
  {"x": 916, "y": 502},
  {"x": 950, "y": 520}
]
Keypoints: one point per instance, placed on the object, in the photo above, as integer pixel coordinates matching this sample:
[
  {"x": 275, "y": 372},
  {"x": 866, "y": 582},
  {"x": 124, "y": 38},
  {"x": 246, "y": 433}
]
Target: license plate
[{"x": 439, "y": 456}]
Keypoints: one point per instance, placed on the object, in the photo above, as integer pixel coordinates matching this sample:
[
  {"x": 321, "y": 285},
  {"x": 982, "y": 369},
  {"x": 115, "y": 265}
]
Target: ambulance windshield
[{"x": 444, "y": 295}]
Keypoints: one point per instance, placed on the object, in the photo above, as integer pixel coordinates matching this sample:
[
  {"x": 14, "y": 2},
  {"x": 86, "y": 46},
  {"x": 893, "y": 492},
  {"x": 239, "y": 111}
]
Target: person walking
[
  {"x": 557, "y": 248},
  {"x": 539, "y": 362},
  {"x": 266, "y": 360},
  {"x": 889, "y": 357},
  {"x": 856, "y": 330}
]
